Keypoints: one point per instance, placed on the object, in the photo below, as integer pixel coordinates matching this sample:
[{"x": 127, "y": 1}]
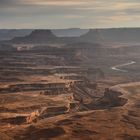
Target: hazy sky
[{"x": 69, "y": 13}]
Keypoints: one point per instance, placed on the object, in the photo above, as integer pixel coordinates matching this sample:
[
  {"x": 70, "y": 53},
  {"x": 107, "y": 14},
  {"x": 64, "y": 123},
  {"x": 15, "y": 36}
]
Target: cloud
[
  {"x": 41, "y": 2},
  {"x": 56, "y": 2},
  {"x": 6, "y": 2},
  {"x": 69, "y": 13}
]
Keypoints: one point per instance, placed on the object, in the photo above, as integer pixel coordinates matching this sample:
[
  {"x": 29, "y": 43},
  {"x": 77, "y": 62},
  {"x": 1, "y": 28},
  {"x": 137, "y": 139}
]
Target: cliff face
[
  {"x": 36, "y": 36},
  {"x": 92, "y": 36},
  {"x": 42, "y": 34}
]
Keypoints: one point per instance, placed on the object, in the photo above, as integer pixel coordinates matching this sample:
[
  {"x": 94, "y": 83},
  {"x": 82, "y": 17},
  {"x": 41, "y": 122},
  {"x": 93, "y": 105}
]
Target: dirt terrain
[{"x": 122, "y": 122}]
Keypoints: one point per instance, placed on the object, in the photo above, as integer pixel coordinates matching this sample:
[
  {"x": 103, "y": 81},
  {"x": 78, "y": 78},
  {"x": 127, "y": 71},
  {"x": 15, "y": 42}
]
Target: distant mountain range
[
  {"x": 114, "y": 35},
  {"x": 125, "y": 35},
  {"x": 7, "y": 34}
]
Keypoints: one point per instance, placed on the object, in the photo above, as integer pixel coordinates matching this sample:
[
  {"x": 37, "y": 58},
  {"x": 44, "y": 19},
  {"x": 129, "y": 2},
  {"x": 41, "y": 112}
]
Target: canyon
[{"x": 79, "y": 87}]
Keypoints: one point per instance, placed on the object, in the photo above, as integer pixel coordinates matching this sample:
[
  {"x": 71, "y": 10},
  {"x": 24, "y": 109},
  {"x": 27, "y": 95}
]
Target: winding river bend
[{"x": 118, "y": 67}]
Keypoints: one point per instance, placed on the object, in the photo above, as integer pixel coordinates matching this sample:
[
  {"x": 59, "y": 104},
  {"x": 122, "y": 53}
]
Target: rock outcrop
[
  {"x": 37, "y": 36},
  {"x": 123, "y": 35}
]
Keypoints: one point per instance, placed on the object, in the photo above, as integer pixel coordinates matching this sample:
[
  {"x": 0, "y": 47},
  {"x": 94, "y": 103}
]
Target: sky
[{"x": 56, "y": 14}]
